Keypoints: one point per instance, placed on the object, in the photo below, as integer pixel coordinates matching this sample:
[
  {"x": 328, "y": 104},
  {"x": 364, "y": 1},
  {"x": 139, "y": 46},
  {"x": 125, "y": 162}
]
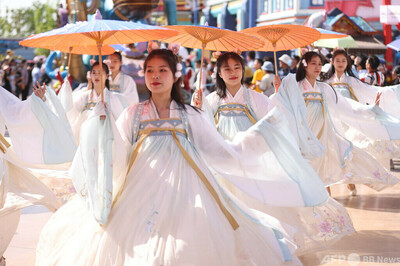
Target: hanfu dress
[
  {"x": 126, "y": 86},
  {"x": 84, "y": 102},
  {"x": 355, "y": 89},
  {"x": 19, "y": 188},
  {"x": 316, "y": 114},
  {"x": 318, "y": 226},
  {"x": 170, "y": 209}
]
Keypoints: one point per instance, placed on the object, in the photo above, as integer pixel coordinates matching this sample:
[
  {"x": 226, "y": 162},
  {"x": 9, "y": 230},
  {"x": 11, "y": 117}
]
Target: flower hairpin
[
  {"x": 92, "y": 61},
  {"x": 174, "y": 47},
  {"x": 178, "y": 72},
  {"x": 238, "y": 51},
  {"x": 216, "y": 54},
  {"x": 304, "y": 62},
  {"x": 152, "y": 46}
]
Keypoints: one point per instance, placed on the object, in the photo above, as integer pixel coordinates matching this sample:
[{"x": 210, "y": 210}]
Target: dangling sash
[
  {"x": 173, "y": 131},
  {"x": 4, "y": 145},
  {"x": 315, "y": 99},
  {"x": 352, "y": 94}
]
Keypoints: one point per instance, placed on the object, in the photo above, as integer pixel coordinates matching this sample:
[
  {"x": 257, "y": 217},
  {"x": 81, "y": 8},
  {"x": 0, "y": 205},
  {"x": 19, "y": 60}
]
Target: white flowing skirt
[
  {"x": 341, "y": 165},
  {"x": 164, "y": 216}
]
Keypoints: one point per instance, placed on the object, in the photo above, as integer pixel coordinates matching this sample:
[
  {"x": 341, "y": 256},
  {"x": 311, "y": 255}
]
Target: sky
[{"x": 11, "y": 4}]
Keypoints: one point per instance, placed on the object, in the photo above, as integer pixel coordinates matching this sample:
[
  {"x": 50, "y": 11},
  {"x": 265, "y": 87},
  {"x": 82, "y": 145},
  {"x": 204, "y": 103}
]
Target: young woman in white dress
[
  {"x": 316, "y": 112},
  {"x": 163, "y": 205},
  {"x": 120, "y": 82},
  {"x": 82, "y": 103},
  {"x": 234, "y": 109},
  {"x": 341, "y": 77}
]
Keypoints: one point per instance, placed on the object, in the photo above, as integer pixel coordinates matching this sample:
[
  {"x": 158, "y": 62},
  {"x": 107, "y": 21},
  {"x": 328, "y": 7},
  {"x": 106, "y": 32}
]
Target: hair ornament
[
  {"x": 174, "y": 47},
  {"x": 92, "y": 61},
  {"x": 238, "y": 51},
  {"x": 178, "y": 74},
  {"x": 107, "y": 61},
  {"x": 216, "y": 54},
  {"x": 304, "y": 62},
  {"x": 152, "y": 46}
]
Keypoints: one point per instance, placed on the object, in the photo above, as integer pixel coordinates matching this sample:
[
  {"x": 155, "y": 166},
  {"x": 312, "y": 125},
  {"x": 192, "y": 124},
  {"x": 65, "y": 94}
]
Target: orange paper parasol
[
  {"x": 96, "y": 33},
  {"x": 283, "y": 37}
]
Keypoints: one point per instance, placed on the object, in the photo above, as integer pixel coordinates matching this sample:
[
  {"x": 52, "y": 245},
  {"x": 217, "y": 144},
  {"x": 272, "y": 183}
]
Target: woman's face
[
  {"x": 159, "y": 77},
  {"x": 231, "y": 72},
  {"x": 96, "y": 77},
  {"x": 115, "y": 63},
  {"x": 340, "y": 63},
  {"x": 314, "y": 67}
]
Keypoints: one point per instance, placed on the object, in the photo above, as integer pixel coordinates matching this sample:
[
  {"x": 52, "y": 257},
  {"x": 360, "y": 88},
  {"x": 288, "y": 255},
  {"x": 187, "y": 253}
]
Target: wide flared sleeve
[
  {"x": 99, "y": 167},
  {"x": 262, "y": 162},
  {"x": 390, "y": 99},
  {"x": 65, "y": 96},
  {"x": 129, "y": 90},
  {"x": 371, "y": 120},
  {"x": 291, "y": 103},
  {"x": 39, "y": 131}
]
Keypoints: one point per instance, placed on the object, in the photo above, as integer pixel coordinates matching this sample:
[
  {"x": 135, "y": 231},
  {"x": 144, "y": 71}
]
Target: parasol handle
[
  {"x": 69, "y": 60},
  {"x": 201, "y": 64},
  {"x": 203, "y": 45},
  {"x": 275, "y": 62},
  {"x": 99, "y": 45}
]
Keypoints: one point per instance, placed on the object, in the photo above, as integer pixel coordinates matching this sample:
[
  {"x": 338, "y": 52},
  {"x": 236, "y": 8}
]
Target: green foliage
[{"x": 26, "y": 21}]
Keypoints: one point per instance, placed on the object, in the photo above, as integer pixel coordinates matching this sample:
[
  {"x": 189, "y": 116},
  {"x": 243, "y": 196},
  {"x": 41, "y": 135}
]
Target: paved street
[{"x": 376, "y": 217}]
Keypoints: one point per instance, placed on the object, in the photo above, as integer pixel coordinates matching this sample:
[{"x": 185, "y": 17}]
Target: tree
[
  {"x": 26, "y": 21},
  {"x": 22, "y": 22}
]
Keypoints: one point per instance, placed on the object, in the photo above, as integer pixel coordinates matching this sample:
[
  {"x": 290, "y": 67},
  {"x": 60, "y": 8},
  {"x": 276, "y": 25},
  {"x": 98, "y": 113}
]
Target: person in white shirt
[
  {"x": 266, "y": 84},
  {"x": 120, "y": 82}
]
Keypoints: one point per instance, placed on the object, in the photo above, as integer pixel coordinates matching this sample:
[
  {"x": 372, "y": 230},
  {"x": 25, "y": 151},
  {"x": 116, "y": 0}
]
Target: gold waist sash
[
  {"x": 242, "y": 108},
  {"x": 352, "y": 94},
  {"x": 89, "y": 105},
  {"x": 307, "y": 100},
  {"x": 4, "y": 145},
  {"x": 145, "y": 133}
]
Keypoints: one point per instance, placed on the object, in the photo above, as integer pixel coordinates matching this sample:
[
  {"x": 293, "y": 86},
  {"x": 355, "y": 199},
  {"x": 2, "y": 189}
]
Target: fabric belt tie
[
  {"x": 4, "y": 145},
  {"x": 352, "y": 94},
  {"x": 243, "y": 109}
]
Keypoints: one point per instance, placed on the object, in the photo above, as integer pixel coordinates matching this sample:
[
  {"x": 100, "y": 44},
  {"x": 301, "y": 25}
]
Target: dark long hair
[
  {"x": 106, "y": 70},
  {"x": 331, "y": 71},
  {"x": 301, "y": 71},
  {"x": 172, "y": 60},
  {"x": 220, "y": 83}
]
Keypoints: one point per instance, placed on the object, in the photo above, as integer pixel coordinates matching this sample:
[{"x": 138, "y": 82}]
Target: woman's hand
[
  {"x": 378, "y": 98},
  {"x": 198, "y": 98},
  {"x": 277, "y": 83},
  {"x": 40, "y": 90}
]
